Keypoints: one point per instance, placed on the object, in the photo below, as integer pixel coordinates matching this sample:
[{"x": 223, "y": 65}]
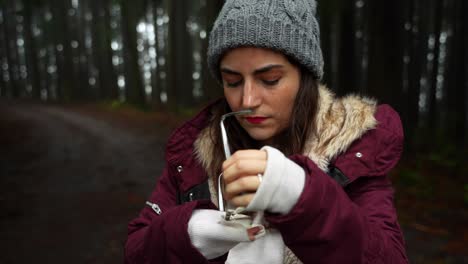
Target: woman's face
[{"x": 265, "y": 82}]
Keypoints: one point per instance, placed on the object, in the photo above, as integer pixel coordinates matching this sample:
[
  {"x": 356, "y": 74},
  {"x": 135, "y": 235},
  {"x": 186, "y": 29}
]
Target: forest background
[{"x": 149, "y": 56}]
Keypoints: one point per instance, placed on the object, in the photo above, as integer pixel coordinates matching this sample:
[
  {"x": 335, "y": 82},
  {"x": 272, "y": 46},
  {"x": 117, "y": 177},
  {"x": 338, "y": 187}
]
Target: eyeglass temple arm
[{"x": 227, "y": 151}]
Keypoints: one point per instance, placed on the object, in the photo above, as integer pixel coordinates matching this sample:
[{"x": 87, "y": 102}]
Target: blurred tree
[
  {"x": 81, "y": 28},
  {"x": 9, "y": 36},
  {"x": 347, "y": 68},
  {"x": 211, "y": 88},
  {"x": 384, "y": 76},
  {"x": 434, "y": 111},
  {"x": 67, "y": 79},
  {"x": 31, "y": 49},
  {"x": 330, "y": 21},
  {"x": 417, "y": 49},
  {"x": 102, "y": 51},
  {"x": 457, "y": 74},
  {"x": 131, "y": 12},
  {"x": 4, "y": 76},
  {"x": 180, "y": 58}
]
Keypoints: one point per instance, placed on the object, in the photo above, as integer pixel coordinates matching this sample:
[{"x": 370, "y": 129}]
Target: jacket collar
[{"x": 339, "y": 122}]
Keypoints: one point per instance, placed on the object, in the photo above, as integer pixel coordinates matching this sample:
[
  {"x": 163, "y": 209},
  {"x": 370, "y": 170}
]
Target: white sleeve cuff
[{"x": 282, "y": 185}]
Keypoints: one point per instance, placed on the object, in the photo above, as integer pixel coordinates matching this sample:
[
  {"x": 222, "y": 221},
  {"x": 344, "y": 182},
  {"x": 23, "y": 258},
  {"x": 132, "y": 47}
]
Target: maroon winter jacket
[{"x": 349, "y": 219}]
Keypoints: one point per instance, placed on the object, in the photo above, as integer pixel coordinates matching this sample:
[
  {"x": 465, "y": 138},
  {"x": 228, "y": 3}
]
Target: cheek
[
  {"x": 231, "y": 98},
  {"x": 287, "y": 98},
  {"x": 286, "y": 101}
]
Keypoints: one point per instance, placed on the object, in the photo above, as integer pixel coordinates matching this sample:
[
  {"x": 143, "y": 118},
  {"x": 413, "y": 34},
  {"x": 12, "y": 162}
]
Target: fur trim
[
  {"x": 204, "y": 154},
  {"x": 204, "y": 148},
  {"x": 339, "y": 123}
]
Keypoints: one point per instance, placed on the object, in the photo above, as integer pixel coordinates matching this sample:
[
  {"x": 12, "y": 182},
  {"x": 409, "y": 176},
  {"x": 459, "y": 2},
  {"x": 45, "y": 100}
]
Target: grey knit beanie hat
[{"x": 287, "y": 26}]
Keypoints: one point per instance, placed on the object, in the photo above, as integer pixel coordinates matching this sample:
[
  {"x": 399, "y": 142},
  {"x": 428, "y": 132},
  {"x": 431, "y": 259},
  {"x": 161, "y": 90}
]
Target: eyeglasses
[{"x": 227, "y": 153}]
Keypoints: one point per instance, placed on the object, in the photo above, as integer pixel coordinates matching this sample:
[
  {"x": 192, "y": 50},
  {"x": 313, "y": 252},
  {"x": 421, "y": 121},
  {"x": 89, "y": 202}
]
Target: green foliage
[
  {"x": 186, "y": 111},
  {"x": 409, "y": 177},
  {"x": 440, "y": 149},
  {"x": 416, "y": 183},
  {"x": 444, "y": 158},
  {"x": 117, "y": 104}
]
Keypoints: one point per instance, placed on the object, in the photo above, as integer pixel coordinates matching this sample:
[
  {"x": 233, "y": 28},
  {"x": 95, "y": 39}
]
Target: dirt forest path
[
  {"x": 71, "y": 177},
  {"x": 69, "y": 183}
]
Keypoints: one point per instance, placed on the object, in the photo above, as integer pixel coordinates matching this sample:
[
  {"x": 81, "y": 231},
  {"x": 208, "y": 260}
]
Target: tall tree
[
  {"x": 347, "y": 61},
  {"x": 133, "y": 80},
  {"x": 5, "y": 83},
  {"x": 67, "y": 81},
  {"x": 31, "y": 49},
  {"x": 156, "y": 81},
  {"x": 210, "y": 86},
  {"x": 457, "y": 74},
  {"x": 330, "y": 33},
  {"x": 417, "y": 42},
  {"x": 386, "y": 24},
  {"x": 102, "y": 52},
  {"x": 9, "y": 36},
  {"x": 180, "y": 58},
  {"x": 82, "y": 56},
  {"x": 434, "y": 110}
]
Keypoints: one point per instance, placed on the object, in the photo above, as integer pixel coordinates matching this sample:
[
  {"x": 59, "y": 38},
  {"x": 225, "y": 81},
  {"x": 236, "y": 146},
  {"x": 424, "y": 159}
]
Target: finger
[
  {"x": 242, "y": 200},
  {"x": 248, "y": 184},
  {"x": 242, "y": 168},
  {"x": 245, "y": 154}
]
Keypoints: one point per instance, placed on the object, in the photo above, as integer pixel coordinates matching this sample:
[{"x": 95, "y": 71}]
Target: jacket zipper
[{"x": 155, "y": 207}]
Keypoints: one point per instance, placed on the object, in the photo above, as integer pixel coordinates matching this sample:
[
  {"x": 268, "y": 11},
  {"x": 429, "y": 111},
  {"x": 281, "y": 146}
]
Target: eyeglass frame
[{"x": 227, "y": 153}]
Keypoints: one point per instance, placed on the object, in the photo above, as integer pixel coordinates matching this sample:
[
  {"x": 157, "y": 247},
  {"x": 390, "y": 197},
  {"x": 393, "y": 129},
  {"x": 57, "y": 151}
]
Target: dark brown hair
[{"x": 291, "y": 141}]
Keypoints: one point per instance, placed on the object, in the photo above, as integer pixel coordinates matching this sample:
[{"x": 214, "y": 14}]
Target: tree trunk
[
  {"x": 10, "y": 51},
  {"x": 156, "y": 84},
  {"x": 211, "y": 87},
  {"x": 347, "y": 62},
  {"x": 386, "y": 51},
  {"x": 433, "y": 104},
  {"x": 134, "y": 85},
  {"x": 5, "y": 82},
  {"x": 457, "y": 74},
  {"x": 31, "y": 51},
  {"x": 102, "y": 52},
  {"x": 67, "y": 80},
  {"x": 83, "y": 66},
  {"x": 180, "y": 59},
  {"x": 417, "y": 42},
  {"x": 330, "y": 13}
]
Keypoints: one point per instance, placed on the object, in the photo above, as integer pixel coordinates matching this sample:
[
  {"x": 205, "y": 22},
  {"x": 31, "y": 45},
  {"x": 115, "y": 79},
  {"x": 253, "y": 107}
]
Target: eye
[
  {"x": 271, "y": 82},
  {"x": 231, "y": 80},
  {"x": 233, "y": 84}
]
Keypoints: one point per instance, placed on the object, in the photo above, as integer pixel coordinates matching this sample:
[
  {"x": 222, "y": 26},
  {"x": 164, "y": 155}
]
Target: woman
[{"x": 308, "y": 173}]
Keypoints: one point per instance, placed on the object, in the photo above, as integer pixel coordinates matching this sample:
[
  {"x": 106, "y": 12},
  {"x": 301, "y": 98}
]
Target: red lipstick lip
[{"x": 255, "y": 119}]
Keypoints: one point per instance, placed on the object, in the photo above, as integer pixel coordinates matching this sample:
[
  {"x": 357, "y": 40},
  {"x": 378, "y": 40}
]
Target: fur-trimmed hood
[{"x": 339, "y": 122}]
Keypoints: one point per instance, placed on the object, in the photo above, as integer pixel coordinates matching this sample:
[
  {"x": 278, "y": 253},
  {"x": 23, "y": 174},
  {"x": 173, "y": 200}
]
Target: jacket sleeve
[
  {"x": 356, "y": 224},
  {"x": 163, "y": 238}
]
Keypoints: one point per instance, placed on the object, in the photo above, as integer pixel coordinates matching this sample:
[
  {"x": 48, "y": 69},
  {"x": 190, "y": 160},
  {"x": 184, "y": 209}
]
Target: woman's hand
[{"x": 240, "y": 175}]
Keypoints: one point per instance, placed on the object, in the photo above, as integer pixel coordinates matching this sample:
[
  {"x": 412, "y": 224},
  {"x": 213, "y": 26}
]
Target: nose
[{"x": 251, "y": 96}]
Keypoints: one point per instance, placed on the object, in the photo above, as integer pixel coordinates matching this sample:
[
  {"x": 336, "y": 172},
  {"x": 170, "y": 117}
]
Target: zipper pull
[{"x": 155, "y": 207}]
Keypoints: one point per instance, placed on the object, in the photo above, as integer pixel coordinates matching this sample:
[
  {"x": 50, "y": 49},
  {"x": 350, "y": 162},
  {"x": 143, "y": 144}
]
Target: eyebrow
[{"x": 258, "y": 71}]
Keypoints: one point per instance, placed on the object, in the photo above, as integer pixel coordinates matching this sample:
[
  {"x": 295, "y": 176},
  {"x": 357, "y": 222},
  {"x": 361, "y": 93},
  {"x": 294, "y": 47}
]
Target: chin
[{"x": 259, "y": 135}]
